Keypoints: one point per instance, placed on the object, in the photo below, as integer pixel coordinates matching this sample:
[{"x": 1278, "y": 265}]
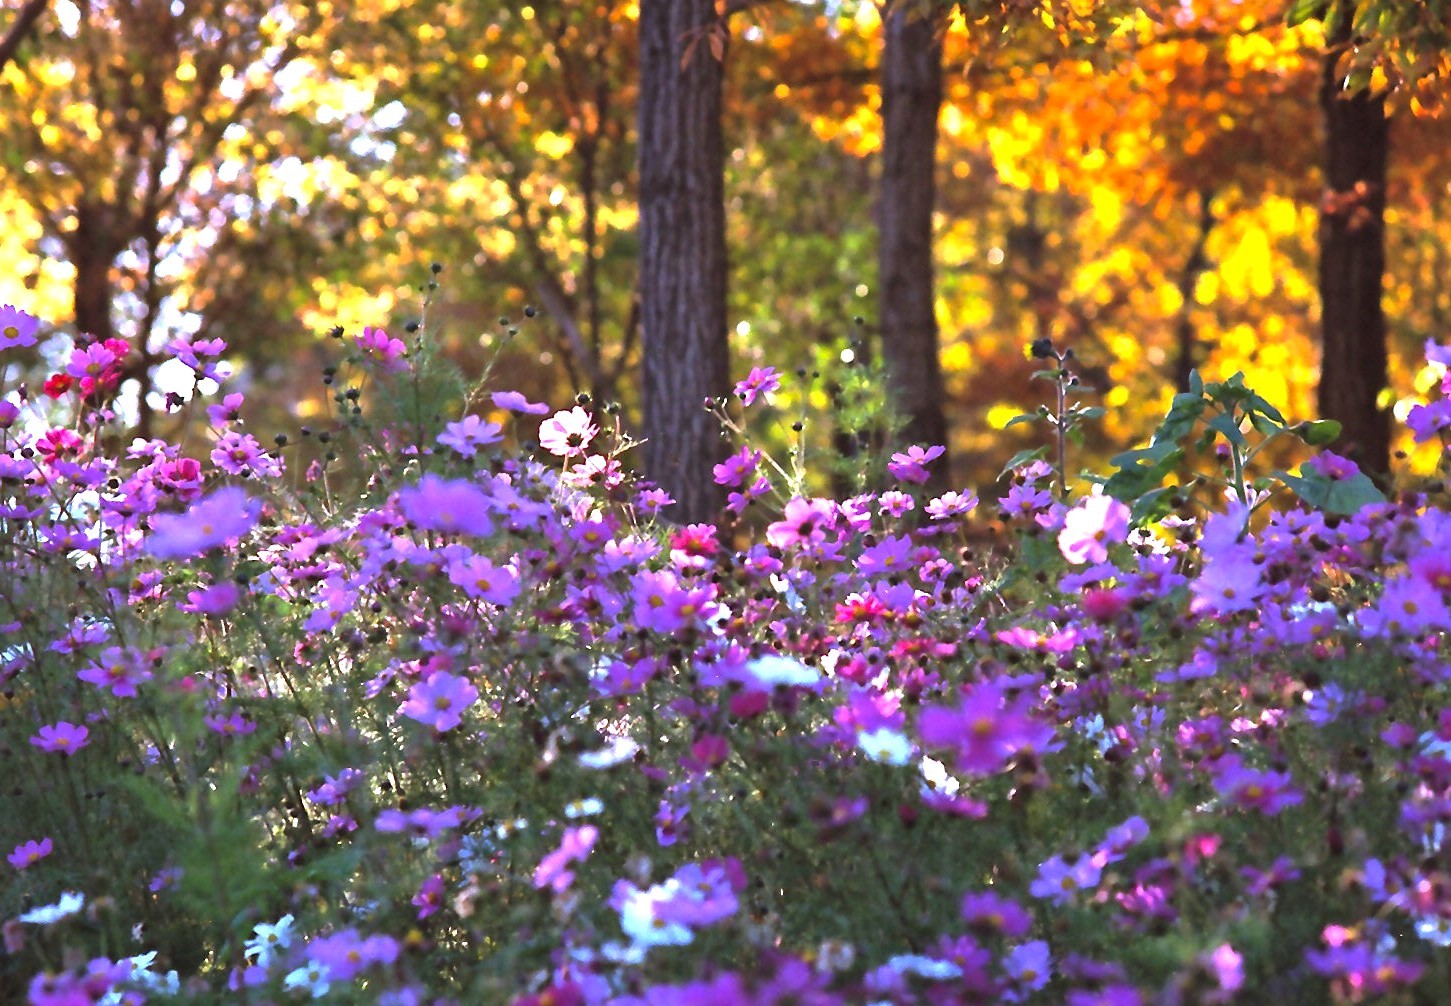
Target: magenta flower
[
  {"x": 513, "y": 401},
  {"x": 988, "y": 911},
  {"x": 574, "y": 847},
  {"x": 448, "y": 505},
  {"x": 985, "y": 730},
  {"x": 911, "y": 465},
  {"x": 17, "y": 328},
  {"x": 737, "y": 468},
  {"x": 209, "y": 523},
  {"x": 567, "y": 434},
  {"x": 439, "y": 700},
  {"x": 1090, "y": 527},
  {"x": 66, "y": 738},
  {"x": 27, "y": 854},
  {"x": 378, "y": 346},
  {"x": 429, "y": 898},
  {"x": 702, "y": 894},
  {"x": 469, "y": 434},
  {"x": 760, "y": 381}
]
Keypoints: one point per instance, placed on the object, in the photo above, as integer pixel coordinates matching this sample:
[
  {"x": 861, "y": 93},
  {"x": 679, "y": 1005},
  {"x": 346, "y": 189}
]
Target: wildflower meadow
[{"x": 431, "y": 703}]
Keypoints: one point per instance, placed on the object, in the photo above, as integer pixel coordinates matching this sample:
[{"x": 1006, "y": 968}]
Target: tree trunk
[
  {"x": 1352, "y": 264},
  {"x": 911, "y": 80},
  {"x": 682, "y": 250}
]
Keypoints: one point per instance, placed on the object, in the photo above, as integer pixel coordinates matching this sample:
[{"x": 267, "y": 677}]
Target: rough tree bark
[
  {"x": 1352, "y": 263},
  {"x": 911, "y": 81},
  {"x": 682, "y": 249}
]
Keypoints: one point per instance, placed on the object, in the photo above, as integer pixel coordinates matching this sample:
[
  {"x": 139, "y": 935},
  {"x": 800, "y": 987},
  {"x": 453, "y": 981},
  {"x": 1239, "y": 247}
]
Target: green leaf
[
  {"x": 1023, "y": 417},
  {"x": 1091, "y": 412},
  {"x": 1152, "y": 506},
  {"x": 1319, "y": 432},
  {"x": 1184, "y": 412},
  {"x": 1228, "y": 427},
  {"x": 1021, "y": 458},
  {"x": 1196, "y": 384},
  {"x": 1341, "y": 496},
  {"x": 1257, "y": 404},
  {"x": 1304, "y": 10},
  {"x": 1142, "y": 471}
]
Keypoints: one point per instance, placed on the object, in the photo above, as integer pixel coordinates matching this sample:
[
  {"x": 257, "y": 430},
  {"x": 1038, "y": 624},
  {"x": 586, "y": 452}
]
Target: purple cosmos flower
[
  {"x": 513, "y": 401},
  {"x": 344, "y": 954},
  {"x": 17, "y": 328},
  {"x": 985, "y": 910},
  {"x": 1059, "y": 880},
  {"x": 118, "y": 670},
  {"x": 985, "y": 730},
  {"x": 452, "y": 506},
  {"x": 423, "y": 822},
  {"x": 760, "y": 381},
  {"x": 1090, "y": 527},
  {"x": 737, "y": 468},
  {"x": 1267, "y": 792},
  {"x": 65, "y": 738},
  {"x": 27, "y": 854},
  {"x": 702, "y": 894},
  {"x": 439, "y": 700},
  {"x": 470, "y": 433},
  {"x": 209, "y": 523},
  {"x": 911, "y": 465}
]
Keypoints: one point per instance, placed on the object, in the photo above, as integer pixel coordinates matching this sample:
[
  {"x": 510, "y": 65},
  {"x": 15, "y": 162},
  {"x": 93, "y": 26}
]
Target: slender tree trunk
[
  {"x": 1195, "y": 266},
  {"x": 911, "y": 79},
  {"x": 1352, "y": 264},
  {"x": 92, "y": 249},
  {"x": 682, "y": 250}
]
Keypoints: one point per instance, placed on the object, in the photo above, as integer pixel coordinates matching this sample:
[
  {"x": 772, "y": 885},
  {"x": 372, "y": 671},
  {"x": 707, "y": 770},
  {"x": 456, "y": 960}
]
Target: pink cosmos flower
[
  {"x": 911, "y": 465},
  {"x": 377, "y": 346},
  {"x": 1090, "y": 527},
  {"x": 439, "y": 700},
  {"x": 479, "y": 578},
  {"x": 211, "y": 522},
  {"x": 27, "y": 854},
  {"x": 760, "y": 381},
  {"x": 576, "y": 845},
  {"x": 513, "y": 401},
  {"x": 429, "y": 898},
  {"x": 65, "y": 738},
  {"x": 241, "y": 454},
  {"x": 17, "y": 328},
  {"x": 567, "y": 434},
  {"x": 804, "y": 521},
  {"x": 469, "y": 434}
]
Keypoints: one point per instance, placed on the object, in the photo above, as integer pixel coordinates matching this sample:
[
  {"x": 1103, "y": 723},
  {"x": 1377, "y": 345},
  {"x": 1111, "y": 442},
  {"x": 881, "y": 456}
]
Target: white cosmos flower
[{"x": 69, "y": 904}]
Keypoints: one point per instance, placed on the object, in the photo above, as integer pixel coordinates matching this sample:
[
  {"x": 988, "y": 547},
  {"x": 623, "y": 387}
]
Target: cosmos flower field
[{"x": 446, "y": 712}]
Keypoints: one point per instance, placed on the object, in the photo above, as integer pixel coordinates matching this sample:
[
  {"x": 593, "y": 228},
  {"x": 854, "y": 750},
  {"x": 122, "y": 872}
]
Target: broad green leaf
[
  {"x": 1319, "y": 432},
  {"x": 1228, "y": 427},
  {"x": 1023, "y": 417},
  {"x": 1341, "y": 496}
]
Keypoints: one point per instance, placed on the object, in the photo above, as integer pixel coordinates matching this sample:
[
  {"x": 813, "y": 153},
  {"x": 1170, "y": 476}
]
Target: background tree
[
  {"x": 146, "y": 137},
  {"x": 911, "y": 86},
  {"x": 682, "y": 248}
]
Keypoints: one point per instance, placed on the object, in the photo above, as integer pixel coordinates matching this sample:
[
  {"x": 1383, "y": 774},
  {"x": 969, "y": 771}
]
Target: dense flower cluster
[{"x": 450, "y": 723}]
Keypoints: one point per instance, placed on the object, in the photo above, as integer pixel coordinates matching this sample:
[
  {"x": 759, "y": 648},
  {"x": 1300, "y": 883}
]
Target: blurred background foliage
[{"x": 1130, "y": 180}]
